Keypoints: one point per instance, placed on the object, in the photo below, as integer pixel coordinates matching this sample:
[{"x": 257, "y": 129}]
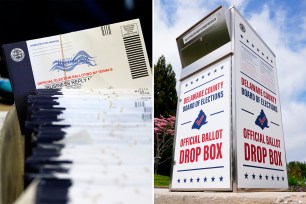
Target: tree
[
  {"x": 165, "y": 96},
  {"x": 163, "y": 138},
  {"x": 294, "y": 169},
  {"x": 296, "y": 173},
  {"x": 303, "y": 168}
]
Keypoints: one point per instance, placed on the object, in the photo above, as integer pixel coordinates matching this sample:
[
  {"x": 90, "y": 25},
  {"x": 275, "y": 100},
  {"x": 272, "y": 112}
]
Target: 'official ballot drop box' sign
[{"x": 229, "y": 132}]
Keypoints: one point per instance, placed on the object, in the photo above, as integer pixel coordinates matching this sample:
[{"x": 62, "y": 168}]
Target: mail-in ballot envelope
[{"x": 107, "y": 57}]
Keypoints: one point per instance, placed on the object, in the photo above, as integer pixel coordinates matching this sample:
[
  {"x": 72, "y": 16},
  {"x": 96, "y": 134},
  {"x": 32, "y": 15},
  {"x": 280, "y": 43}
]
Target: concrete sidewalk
[{"x": 163, "y": 196}]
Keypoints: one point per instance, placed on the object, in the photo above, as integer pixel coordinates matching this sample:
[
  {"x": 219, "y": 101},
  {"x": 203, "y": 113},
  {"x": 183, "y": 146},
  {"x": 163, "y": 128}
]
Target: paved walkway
[{"x": 163, "y": 196}]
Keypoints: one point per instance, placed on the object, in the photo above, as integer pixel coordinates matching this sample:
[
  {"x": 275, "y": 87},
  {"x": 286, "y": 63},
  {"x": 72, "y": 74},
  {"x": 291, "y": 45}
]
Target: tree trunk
[{"x": 156, "y": 163}]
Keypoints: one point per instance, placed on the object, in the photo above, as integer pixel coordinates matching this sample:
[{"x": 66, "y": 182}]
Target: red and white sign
[
  {"x": 202, "y": 146},
  {"x": 261, "y": 161}
]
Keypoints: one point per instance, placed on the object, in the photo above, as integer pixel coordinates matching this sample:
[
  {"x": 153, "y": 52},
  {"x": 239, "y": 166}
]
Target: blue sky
[{"x": 280, "y": 23}]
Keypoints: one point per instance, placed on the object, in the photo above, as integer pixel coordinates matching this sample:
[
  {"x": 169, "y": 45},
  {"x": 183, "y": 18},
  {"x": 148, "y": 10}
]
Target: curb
[{"x": 163, "y": 196}]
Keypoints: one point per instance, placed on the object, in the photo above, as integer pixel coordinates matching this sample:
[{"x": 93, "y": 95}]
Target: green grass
[{"x": 161, "y": 181}]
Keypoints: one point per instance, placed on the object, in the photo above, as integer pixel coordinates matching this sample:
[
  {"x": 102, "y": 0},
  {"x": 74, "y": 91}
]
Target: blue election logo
[
  {"x": 200, "y": 120},
  {"x": 69, "y": 64},
  {"x": 262, "y": 120}
]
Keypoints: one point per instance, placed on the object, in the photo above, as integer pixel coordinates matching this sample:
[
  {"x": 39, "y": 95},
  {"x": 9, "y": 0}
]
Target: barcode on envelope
[
  {"x": 106, "y": 30},
  {"x": 135, "y": 56},
  {"x": 146, "y": 116},
  {"x": 148, "y": 109},
  {"x": 139, "y": 104}
]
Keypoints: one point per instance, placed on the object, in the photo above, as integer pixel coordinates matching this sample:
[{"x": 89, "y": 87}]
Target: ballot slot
[{"x": 203, "y": 38}]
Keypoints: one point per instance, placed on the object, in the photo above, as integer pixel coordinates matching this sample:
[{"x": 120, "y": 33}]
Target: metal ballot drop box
[{"x": 229, "y": 131}]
